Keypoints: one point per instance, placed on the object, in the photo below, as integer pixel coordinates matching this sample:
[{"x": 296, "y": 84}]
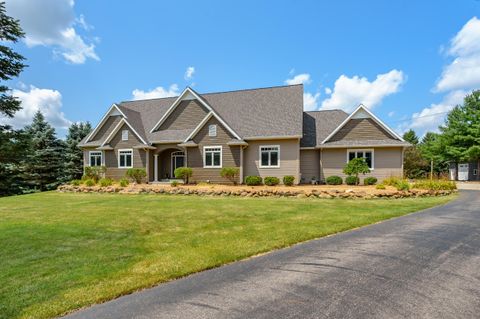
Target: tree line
[
  {"x": 458, "y": 141},
  {"x": 32, "y": 158}
]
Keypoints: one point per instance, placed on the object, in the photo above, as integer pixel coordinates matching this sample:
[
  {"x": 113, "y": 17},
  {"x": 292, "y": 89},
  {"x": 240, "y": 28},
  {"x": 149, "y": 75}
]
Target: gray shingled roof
[
  {"x": 274, "y": 111},
  {"x": 317, "y": 125}
]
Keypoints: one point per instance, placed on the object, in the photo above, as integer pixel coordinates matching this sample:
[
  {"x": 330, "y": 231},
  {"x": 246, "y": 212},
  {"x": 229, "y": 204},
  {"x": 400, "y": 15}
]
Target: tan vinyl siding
[
  {"x": 361, "y": 129},
  {"x": 111, "y": 157},
  {"x": 309, "y": 165},
  {"x": 387, "y": 162},
  {"x": 107, "y": 128},
  {"x": 186, "y": 115},
  {"x": 230, "y": 154},
  {"x": 289, "y": 159}
]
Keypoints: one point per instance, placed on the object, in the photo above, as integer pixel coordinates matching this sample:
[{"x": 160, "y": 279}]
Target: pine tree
[
  {"x": 11, "y": 63},
  {"x": 44, "y": 165},
  {"x": 411, "y": 137},
  {"x": 73, "y": 154}
]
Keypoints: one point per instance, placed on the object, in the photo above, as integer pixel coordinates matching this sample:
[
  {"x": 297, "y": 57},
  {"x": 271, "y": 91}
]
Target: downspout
[
  {"x": 241, "y": 164},
  {"x": 148, "y": 165}
]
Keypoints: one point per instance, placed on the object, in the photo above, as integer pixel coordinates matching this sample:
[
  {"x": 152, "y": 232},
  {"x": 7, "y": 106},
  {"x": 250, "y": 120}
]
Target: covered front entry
[{"x": 165, "y": 163}]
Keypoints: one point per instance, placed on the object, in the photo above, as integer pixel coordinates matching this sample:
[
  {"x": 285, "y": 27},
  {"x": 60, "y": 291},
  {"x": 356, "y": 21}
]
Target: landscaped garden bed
[{"x": 300, "y": 191}]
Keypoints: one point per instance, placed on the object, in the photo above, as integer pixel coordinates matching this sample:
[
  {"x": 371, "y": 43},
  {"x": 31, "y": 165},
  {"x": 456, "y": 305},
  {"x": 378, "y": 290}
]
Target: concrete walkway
[{"x": 424, "y": 265}]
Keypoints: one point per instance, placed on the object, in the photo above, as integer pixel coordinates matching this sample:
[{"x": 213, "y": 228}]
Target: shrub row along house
[{"x": 262, "y": 132}]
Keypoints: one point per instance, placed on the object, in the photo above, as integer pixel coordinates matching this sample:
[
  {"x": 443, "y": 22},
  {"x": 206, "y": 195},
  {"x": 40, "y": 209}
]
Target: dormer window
[
  {"x": 125, "y": 135},
  {"x": 212, "y": 130}
]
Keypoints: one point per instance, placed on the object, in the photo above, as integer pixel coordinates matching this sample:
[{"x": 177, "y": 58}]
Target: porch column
[{"x": 155, "y": 167}]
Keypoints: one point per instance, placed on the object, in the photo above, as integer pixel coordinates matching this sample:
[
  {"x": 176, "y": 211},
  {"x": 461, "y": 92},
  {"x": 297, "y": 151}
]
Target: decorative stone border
[{"x": 314, "y": 193}]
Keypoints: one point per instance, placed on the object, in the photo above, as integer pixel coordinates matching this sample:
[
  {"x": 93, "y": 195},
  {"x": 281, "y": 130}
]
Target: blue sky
[{"x": 408, "y": 61}]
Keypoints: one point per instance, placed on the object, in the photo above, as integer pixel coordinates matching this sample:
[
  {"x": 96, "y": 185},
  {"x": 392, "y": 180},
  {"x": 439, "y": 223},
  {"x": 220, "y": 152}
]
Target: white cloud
[
  {"x": 391, "y": 113},
  {"x": 49, "y": 102},
  {"x": 328, "y": 91},
  {"x": 349, "y": 92},
  {"x": 299, "y": 79},
  {"x": 189, "y": 73},
  {"x": 310, "y": 101},
  {"x": 428, "y": 119},
  {"x": 51, "y": 23},
  {"x": 157, "y": 92},
  {"x": 464, "y": 71}
]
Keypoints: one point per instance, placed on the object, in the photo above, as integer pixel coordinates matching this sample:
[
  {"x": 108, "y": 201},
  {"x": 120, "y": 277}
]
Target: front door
[{"x": 178, "y": 160}]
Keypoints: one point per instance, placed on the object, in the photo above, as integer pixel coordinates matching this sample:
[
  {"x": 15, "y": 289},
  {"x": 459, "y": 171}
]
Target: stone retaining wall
[{"x": 185, "y": 190}]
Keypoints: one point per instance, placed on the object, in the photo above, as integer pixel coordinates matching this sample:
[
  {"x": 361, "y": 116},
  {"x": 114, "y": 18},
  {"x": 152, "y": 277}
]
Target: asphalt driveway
[{"x": 424, "y": 265}]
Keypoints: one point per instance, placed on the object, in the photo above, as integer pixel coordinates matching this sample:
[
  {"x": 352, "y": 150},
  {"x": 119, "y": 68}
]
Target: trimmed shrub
[
  {"x": 253, "y": 180},
  {"x": 89, "y": 182},
  {"x": 184, "y": 173},
  {"x": 355, "y": 167},
  {"x": 75, "y": 182},
  {"x": 334, "y": 180},
  {"x": 104, "y": 182},
  {"x": 124, "y": 182},
  {"x": 370, "y": 180},
  {"x": 380, "y": 186},
  {"x": 271, "y": 181},
  {"x": 230, "y": 173},
  {"x": 94, "y": 172},
  {"x": 402, "y": 185},
  {"x": 174, "y": 183},
  {"x": 288, "y": 180},
  {"x": 136, "y": 174},
  {"x": 435, "y": 185},
  {"x": 352, "y": 180}
]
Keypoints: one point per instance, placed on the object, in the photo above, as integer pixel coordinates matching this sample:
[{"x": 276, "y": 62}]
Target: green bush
[
  {"x": 271, "y": 181},
  {"x": 124, "y": 182},
  {"x": 370, "y": 180},
  {"x": 402, "y": 185},
  {"x": 355, "y": 167},
  {"x": 435, "y": 185},
  {"x": 288, "y": 180},
  {"x": 75, "y": 182},
  {"x": 380, "y": 186},
  {"x": 89, "y": 182},
  {"x": 391, "y": 181},
  {"x": 174, "y": 183},
  {"x": 104, "y": 182},
  {"x": 334, "y": 180},
  {"x": 94, "y": 172},
  {"x": 136, "y": 174},
  {"x": 253, "y": 180},
  {"x": 184, "y": 173},
  {"x": 230, "y": 173},
  {"x": 352, "y": 180}
]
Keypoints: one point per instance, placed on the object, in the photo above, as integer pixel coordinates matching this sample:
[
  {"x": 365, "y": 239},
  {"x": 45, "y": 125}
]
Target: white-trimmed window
[
  {"x": 125, "y": 158},
  {"x": 270, "y": 156},
  {"x": 366, "y": 154},
  {"x": 212, "y": 130},
  {"x": 124, "y": 135},
  {"x": 95, "y": 158},
  {"x": 212, "y": 156}
]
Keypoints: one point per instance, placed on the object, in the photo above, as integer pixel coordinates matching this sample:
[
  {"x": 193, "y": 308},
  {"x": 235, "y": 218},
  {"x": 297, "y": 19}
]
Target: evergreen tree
[
  {"x": 11, "y": 63},
  {"x": 411, "y": 137},
  {"x": 461, "y": 132},
  {"x": 432, "y": 151},
  {"x": 14, "y": 146},
  {"x": 44, "y": 165},
  {"x": 73, "y": 154}
]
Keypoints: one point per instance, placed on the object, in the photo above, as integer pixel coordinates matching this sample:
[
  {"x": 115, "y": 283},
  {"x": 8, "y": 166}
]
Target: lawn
[{"x": 60, "y": 252}]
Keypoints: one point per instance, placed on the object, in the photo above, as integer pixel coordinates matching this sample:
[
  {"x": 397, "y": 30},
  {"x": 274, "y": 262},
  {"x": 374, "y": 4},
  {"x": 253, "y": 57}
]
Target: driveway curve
[{"x": 423, "y": 265}]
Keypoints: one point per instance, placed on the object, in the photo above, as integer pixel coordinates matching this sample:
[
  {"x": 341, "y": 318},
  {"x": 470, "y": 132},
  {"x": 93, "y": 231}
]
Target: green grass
[{"x": 60, "y": 252}]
